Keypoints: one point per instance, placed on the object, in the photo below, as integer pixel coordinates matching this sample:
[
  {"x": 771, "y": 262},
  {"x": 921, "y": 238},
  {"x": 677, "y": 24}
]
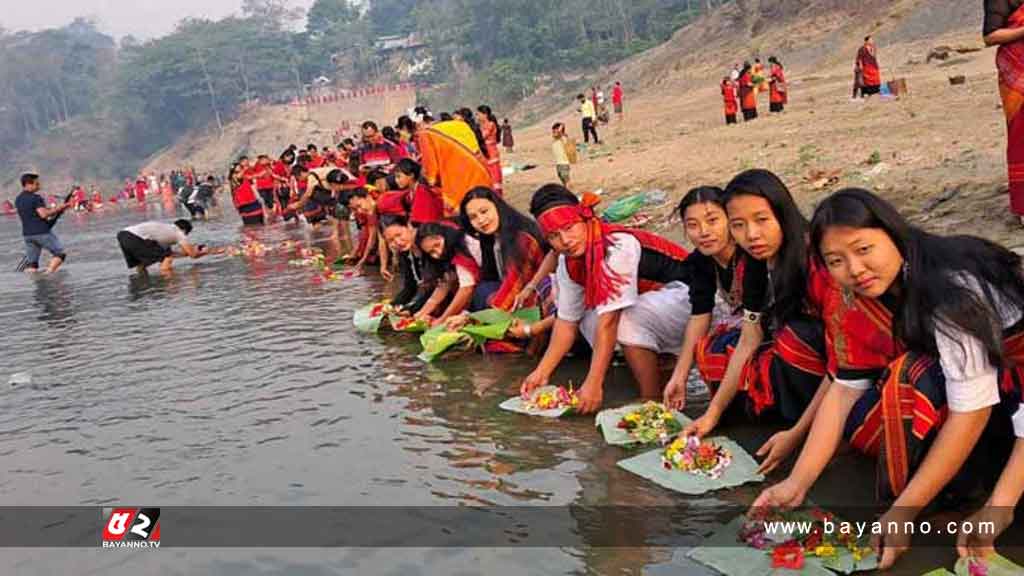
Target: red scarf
[{"x": 600, "y": 284}]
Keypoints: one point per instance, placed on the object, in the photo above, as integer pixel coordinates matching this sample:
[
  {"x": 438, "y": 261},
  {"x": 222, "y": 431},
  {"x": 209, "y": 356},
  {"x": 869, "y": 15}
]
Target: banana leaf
[
  {"x": 608, "y": 422},
  {"x": 624, "y": 208},
  {"x": 723, "y": 553},
  {"x": 742, "y": 470},
  {"x": 493, "y": 324},
  {"x": 437, "y": 341},
  {"x": 368, "y": 318},
  {"x": 995, "y": 565},
  {"x": 405, "y": 324},
  {"x": 939, "y": 572}
]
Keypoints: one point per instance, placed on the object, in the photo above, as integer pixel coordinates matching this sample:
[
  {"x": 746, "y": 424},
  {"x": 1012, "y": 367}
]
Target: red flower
[
  {"x": 813, "y": 539},
  {"x": 789, "y": 555}
]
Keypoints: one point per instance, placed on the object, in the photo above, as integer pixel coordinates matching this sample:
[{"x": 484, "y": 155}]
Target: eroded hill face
[
  {"x": 271, "y": 129},
  {"x": 939, "y": 153}
]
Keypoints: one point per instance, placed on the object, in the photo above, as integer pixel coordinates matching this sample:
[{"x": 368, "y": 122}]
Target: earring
[{"x": 906, "y": 271}]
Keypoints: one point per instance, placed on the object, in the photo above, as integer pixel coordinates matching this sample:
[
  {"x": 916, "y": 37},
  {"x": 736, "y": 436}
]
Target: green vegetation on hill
[{"x": 72, "y": 100}]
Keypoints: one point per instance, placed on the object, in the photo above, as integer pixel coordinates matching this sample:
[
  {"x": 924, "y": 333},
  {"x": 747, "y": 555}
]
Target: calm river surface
[{"x": 241, "y": 382}]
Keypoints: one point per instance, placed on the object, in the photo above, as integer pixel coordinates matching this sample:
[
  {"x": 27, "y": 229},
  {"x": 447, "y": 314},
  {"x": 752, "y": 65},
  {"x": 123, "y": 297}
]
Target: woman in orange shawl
[
  {"x": 491, "y": 132},
  {"x": 1004, "y": 27},
  {"x": 452, "y": 162}
]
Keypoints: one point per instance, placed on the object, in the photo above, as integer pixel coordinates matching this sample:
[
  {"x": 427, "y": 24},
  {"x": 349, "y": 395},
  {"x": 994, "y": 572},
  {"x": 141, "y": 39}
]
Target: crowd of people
[
  {"x": 742, "y": 87},
  {"x": 851, "y": 325}
]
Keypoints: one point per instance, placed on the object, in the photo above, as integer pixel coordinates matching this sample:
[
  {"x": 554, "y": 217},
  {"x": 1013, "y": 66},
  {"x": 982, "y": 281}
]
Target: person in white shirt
[
  {"x": 148, "y": 243},
  {"x": 948, "y": 414},
  {"x": 616, "y": 286}
]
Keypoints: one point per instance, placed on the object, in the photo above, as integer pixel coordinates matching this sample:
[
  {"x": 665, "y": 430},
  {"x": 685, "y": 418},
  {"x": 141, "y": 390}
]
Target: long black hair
[
  {"x": 467, "y": 116},
  {"x": 701, "y": 195},
  {"x": 410, "y": 167},
  {"x": 789, "y": 269},
  {"x": 511, "y": 223},
  {"x": 933, "y": 294},
  {"x": 486, "y": 111},
  {"x": 454, "y": 241}
]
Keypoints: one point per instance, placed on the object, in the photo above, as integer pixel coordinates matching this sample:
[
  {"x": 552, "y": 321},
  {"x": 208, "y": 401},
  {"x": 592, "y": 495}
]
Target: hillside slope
[{"x": 938, "y": 152}]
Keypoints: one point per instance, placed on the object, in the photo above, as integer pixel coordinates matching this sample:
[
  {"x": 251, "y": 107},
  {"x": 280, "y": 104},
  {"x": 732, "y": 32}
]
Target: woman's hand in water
[
  {"x": 785, "y": 494},
  {"x": 536, "y": 379},
  {"x": 386, "y": 274},
  {"x": 703, "y": 426},
  {"x": 777, "y": 449},
  {"x": 675, "y": 394},
  {"x": 975, "y": 543}
]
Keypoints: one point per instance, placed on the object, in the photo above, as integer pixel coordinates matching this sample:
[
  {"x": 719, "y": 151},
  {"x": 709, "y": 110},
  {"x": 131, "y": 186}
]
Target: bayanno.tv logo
[{"x": 131, "y": 527}]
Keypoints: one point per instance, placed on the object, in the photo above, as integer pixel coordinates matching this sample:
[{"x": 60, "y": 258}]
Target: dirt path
[{"x": 937, "y": 153}]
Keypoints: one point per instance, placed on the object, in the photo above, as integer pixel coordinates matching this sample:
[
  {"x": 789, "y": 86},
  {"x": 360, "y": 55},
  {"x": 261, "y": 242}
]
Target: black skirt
[
  {"x": 139, "y": 251},
  {"x": 730, "y": 118},
  {"x": 776, "y": 107},
  {"x": 750, "y": 114}
]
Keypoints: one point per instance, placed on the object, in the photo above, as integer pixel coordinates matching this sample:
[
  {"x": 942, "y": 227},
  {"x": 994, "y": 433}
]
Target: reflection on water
[{"x": 240, "y": 381}]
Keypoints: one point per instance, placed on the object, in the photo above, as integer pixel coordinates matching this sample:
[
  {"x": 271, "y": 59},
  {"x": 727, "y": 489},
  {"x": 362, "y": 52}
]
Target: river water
[{"x": 241, "y": 382}]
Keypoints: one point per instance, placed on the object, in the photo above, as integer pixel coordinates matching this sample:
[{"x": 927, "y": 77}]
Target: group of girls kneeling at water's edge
[{"x": 855, "y": 326}]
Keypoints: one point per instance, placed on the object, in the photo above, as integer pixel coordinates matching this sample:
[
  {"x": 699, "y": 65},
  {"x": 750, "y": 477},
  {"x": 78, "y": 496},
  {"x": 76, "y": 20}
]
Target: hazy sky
[{"x": 140, "y": 18}]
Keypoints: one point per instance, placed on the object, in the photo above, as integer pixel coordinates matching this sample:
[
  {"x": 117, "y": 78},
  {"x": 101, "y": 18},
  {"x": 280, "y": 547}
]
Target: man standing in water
[
  {"x": 36, "y": 225},
  {"x": 147, "y": 243}
]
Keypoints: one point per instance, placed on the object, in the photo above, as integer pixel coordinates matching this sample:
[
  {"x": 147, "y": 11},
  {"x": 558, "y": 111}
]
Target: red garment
[
  {"x": 599, "y": 283},
  {"x": 617, "y": 95},
  {"x": 427, "y": 205},
  {"x": 315, "y": 161},
  {"x": 777, "y": 86},
  {"x": 748, "y": 96},
  {"x": 729, "y": 96},
  {"x": 140, "y": 190},
  {"x": 280, "y": 169},
  {"x": 243, "y": 194},
  {"x": 264, "y": 177},
  {"x": 490, "y": 132},
  {"x": 1010, "y": 63},
  {"x": 868, "y": 63}
]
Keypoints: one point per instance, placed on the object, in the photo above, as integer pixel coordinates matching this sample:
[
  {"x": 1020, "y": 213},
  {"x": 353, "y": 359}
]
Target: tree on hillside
[
  {"x": 275, "y": 14},
  {"x": 325, "y": 16},
  {"x": 392, "y": 17}
]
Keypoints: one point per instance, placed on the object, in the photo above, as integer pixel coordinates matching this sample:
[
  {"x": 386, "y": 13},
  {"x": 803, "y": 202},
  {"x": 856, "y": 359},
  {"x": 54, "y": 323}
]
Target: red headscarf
[{"x": 600, "y": 284}]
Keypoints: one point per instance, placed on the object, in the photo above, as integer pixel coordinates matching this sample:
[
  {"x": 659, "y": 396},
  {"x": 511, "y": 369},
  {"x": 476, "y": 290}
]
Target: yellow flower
[{"x": 824, "y": 551}]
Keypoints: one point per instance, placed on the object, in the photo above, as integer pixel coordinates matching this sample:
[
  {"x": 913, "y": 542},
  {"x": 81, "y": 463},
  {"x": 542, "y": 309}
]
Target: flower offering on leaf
[
  {"x": 977, "y": 567},
  {"x": 691, "y": 455},
  {"x": 560, "y": 397},
  {"x": 789, "y": 556},
  {"x": 650, "y": 422}
]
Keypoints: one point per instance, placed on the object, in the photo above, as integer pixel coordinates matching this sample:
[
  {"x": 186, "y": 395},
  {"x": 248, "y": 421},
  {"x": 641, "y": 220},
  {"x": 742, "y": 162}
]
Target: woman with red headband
[{"x": 618, "y": 286}]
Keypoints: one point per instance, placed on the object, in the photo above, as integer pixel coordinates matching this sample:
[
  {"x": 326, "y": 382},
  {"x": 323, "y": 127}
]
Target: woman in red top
[
  {"x": 243, "y": 195},
  {"x": 777, "y": 86},
  {"x": 426, "y": 204},
  {"x": 281, "y": 172},
  {"x": 748, "y": 94},
  {"x": 867, "y": 63},
  {"x": 729, "y": 96},
  {"x": 489, "y": 128}
]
